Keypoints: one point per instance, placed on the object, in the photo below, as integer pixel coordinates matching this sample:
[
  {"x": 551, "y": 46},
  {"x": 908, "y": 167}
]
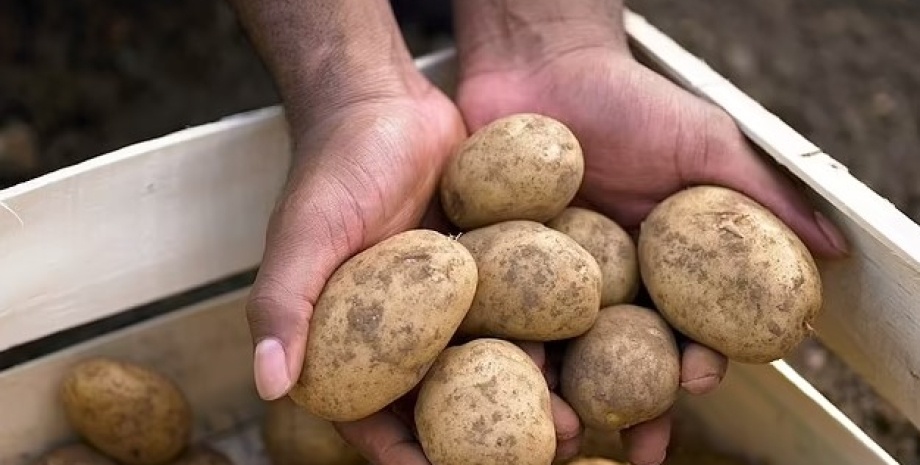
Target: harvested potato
[
  {"x": 610, "y": 245},
  {"x": 623, "y": 371},
  {"x": 485, "y": 402},
  {"x": 520, "y": 167},
  {"x": 726, "y": 272},
  {"x": 293, "y": 436},
  {"x": 132, "y": 414},
  {"x": 74, "y": 454},
  {"x": 535, "y": 283},
  {"x": 381, "y": 320},
  {"x": 203, "y": 455}
]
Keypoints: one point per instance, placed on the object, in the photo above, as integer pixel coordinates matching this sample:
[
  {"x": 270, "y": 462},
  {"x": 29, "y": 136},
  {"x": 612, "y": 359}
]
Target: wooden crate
[{"x": 174, "y": 213}]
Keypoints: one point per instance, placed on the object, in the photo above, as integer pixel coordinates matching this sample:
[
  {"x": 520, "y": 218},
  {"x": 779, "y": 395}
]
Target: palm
[{"x": 642, "y": 136}]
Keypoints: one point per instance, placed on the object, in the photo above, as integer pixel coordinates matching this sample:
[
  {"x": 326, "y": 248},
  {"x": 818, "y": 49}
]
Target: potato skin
[
  {"x": 520, "y": 167},
  {"x": 293, "y": 436},
  {"x": 130, "y": 413},
  {"x": 727, "y": 273},
  {"x": 535, "y": 283},
  {"x": 593, "y": 461},
  {"x": 202, "y": 454},
  {"x": 623, "y": 371},
  {"x": 380, "y": 322},
  {"x": 74, "y": 454},
  {"x": 610, "y": 245},
  {"x": 485, "y": 402}
]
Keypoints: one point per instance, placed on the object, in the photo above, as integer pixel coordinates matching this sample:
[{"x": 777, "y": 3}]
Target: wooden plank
[
  {"x": 769, "y": 414},
  {"x": 206, "y": 349},
  {"x": 872, "y": 317},
  {"x": 146, "y": 221}
]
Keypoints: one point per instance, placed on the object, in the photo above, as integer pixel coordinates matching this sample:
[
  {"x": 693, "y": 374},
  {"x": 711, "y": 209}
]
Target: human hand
[{"x": 643, "y": 137}]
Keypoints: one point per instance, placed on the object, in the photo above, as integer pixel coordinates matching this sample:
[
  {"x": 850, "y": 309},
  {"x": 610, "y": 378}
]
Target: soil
[{"x": 81, "y": 78}]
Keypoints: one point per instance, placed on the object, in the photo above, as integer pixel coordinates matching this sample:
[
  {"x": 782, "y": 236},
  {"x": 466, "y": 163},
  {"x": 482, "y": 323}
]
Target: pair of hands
[{"x": 368, "y": 169}]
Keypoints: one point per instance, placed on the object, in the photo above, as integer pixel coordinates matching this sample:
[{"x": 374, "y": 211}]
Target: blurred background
[{"x": 83, "y": 77}]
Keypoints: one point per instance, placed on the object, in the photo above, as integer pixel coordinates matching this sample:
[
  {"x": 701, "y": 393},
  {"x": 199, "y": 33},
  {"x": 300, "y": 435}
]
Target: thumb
[
  {"x": 726, "y": 159},
  {"x": 315, "y": 227}
]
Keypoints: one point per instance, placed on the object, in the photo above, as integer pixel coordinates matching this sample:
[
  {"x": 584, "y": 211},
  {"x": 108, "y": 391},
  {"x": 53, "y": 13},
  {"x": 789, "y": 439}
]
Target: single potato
[
  {"x": 293, "y": 436},
  {"x": 610, "y": 245},
  {"x": 625, "y": 370},
  {"x": 727, "y": 273},
  {"x": 381, "y": 320},
  {"x": 203, "y": 455},
  {"x": 535, "y": 283},
  {"x": 520, "y": 167},
  {"x": 131, "y": 413},
  {"x": 485, "y": 402},
  {"x": 74, "y": 454}
]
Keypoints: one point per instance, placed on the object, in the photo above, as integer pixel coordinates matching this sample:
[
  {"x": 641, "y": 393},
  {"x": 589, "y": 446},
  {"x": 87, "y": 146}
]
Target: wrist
[{"x": 502, "y": 34}]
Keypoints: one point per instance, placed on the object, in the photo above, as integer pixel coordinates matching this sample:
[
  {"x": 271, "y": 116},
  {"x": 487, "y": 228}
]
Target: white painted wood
[
  {"x": 872, "y": 316},
  {"x": 769, "y": 414},
  {"x": 205, "y": 349}
]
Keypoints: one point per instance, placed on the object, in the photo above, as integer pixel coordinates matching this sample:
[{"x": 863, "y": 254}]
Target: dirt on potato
[{"x": 90, "y": 76}]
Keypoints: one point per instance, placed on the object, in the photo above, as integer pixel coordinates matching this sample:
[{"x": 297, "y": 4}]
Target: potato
[
  {"x": 593, "y": 461},
  {"x": 623, "y": 371},
  {"x": 74, "y": 454},
  {"x": 726, "y": 272},
  {"x": 381, "y": 320},
  {"x": 610, "y": 245},
  {"x": 535, "y": 283},
  {"x": 520, "y": 167},
  {"x": 131, "y": 413},
  {"x": 293, "y": 436},
  {"x": 202, "y": 455},
  {"x": 485, "y": 402}
]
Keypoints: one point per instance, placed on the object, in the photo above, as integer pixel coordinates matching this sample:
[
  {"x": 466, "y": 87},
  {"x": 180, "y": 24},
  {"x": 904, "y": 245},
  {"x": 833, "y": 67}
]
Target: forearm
[
  {"x": 510, "y": 31},
  {"x": 326, "y": 53}
]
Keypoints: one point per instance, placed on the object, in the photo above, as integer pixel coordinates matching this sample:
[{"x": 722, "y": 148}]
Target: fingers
[
  {"x": 647, "y": 443},
  {"x": 310, "y": 233},
  {"x": 383, "y": 439},
  {"x": 568, "y": 428},
  {"x": 727, "y": 159},
  {"x": 701, "y": 369}
]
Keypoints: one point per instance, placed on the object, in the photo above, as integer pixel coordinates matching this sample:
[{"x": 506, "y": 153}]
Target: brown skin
[
  {"x": 132, "y": 414},
  {"x": 520, "y": 167},
  {"x": 292, "y": 436},
  {"x": 622, "y": 372},
  {"x": 535, "y": 283},
  {"x": 593, "y": 461},
  {"x": 202, "y": 455},
  {"x": 610, "y": 245},
  {"x": 485, "y": 402},
  {"x": 74, "y": 454},
  {"x": 727, "y": 273},
  {"x": 381, "y": 320}
]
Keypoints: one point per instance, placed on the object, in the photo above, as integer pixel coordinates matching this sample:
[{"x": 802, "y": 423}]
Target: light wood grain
[
  {"x": 872, "y": 317},
  {"x": 204, "y": 348}
]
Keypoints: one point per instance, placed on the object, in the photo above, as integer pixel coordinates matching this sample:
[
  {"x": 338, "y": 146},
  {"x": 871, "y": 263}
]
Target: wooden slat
[
  {"x": 769, "y": 414},
  {"x": 872, "y": 317},
  {"x": 204, "y": 348}
]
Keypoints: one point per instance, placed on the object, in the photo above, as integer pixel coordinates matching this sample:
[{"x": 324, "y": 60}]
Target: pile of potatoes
[
  {"x": 127, "y": 414},
  {"x": 441, "y": 313}
]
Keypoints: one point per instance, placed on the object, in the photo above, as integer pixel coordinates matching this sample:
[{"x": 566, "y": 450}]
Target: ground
[{"x": 85, "y": 77}]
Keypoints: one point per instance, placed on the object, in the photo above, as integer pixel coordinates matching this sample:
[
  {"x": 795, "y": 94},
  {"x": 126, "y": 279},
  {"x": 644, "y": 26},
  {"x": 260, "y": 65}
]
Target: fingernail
[
  {"x": 832, "y": 234},
  {"x": 272, "y": 379},
  {"x": 701, "y": 385}
]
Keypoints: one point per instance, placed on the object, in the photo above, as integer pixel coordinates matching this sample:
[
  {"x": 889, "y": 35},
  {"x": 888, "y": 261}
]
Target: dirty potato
[
  {"x": 381, "y": 320},
  {"x": 74, "y": 454},
  {"x": 726, "y": 272},
  {"x": 485, "y": 402},
  {"x": 520, "y": 167},
  {"x": 293, "y": 436},
  {"x": 610, "y": 245},
  {"x": 535, "y": 283},
  {"x": 623, "y": 371},
  {"x": 129, "y": 412}
]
